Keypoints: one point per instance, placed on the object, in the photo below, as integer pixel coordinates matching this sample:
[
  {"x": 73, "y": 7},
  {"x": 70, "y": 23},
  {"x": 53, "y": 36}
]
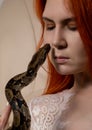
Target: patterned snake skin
[{"x": 21, "y": 114}]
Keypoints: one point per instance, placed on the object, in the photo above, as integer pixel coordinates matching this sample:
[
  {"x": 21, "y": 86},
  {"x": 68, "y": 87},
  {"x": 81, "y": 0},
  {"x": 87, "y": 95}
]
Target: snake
[{"x": 21, "y": 113}]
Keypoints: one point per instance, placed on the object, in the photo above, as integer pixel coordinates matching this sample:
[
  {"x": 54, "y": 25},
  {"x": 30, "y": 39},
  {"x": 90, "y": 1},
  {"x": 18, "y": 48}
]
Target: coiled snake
[{"x": 21, "y": 115}]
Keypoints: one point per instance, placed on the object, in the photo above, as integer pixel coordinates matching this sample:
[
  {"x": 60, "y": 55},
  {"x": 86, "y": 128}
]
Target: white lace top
[{"x": 46, "y": 110}]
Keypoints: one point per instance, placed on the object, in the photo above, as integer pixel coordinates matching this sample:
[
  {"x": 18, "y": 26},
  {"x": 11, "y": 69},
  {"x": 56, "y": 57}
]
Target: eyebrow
[
  {"x": 64, "y": 21},
  {"x": 47, "y": 19}
]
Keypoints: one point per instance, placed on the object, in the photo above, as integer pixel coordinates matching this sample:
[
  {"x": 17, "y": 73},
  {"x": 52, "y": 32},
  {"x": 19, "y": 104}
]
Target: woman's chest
[
  {"x": 78, "y": 115},
  {"x": 78, "y": 124},
  {"x": 60, "y": 112},
  {"x": 74, "y": 121},
  {"x": 46, "y": 111}
]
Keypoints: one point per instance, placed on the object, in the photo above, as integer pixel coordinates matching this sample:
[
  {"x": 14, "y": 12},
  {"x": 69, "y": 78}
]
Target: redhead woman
[{"x": 66, "y": 103}]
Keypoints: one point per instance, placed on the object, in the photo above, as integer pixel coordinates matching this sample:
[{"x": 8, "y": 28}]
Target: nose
[
  {"x": 59, "y": 41},
  {"x": 60, "y": 45}
]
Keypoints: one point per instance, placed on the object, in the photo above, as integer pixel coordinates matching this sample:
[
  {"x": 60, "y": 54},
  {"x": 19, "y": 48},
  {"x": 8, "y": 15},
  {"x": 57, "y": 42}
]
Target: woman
[{"x": 66, "y": 103}]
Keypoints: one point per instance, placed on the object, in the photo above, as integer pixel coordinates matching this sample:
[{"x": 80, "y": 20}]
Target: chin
[
  {"x": 65, "y": 71},
  {"x": 68, "y": 70}
]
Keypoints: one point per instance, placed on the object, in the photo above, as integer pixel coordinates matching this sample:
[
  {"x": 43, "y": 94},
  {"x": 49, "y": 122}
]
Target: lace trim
[{"x": 46, "y": 110}]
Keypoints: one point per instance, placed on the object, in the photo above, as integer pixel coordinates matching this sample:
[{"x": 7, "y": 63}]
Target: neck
[
  {"x": 82, "y": 81},
  {"x": 83, "y": 92}
]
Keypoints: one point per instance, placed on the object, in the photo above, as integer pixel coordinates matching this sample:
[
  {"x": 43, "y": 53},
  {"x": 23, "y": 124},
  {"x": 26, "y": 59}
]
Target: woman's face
[{"x": 67, "y": 53}]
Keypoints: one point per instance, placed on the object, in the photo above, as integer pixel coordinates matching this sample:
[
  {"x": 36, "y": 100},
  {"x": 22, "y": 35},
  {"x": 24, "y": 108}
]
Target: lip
[{"x": 61, "y": 59}]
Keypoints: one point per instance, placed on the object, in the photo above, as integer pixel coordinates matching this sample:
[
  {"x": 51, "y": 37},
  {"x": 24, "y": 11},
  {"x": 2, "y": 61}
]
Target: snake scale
[{"x": 21, "y": 114}]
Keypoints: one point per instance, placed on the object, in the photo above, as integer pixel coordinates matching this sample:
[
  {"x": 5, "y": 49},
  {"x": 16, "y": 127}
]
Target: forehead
[{"x": 57, "y": 9}]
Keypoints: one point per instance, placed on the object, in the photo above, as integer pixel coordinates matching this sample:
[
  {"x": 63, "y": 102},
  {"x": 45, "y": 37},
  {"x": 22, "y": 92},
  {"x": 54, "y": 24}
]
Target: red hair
[{"x": 82, "y": 10}]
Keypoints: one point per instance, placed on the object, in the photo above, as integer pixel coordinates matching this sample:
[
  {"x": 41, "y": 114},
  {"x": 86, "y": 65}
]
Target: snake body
[{"x": 21, "y": 114}]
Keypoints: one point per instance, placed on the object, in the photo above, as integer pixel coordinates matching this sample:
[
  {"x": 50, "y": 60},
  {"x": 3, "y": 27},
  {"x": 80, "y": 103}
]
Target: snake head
[
  {"x": 38, "y": 58},
  {"x": 42, "y": 54}
]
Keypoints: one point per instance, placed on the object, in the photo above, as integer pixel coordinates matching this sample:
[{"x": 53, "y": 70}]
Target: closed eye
[
  {"x": 49, "y": 27},
  {"x": 72, "y": 26},
  {"x": 49, "y": 24}
]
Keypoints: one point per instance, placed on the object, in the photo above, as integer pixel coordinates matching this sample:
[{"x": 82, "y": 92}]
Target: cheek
[
  {"x": 78, "y": 55},
  {"x": 79, "y": 52},
  {"x": 76, "y": 46}
]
